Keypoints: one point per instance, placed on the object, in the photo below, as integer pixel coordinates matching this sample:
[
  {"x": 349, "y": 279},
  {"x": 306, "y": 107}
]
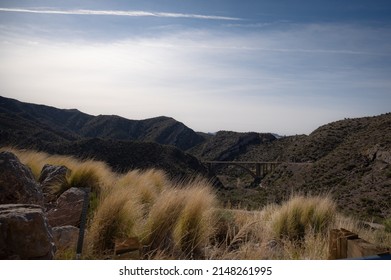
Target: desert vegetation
[{"x": 185, "y": 219}]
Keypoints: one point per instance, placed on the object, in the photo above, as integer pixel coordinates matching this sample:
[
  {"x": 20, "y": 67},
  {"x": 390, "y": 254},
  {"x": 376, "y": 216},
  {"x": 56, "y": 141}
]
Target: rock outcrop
[
  {"x": 68, "y": 209},
  {"x": 33, "y": 222},
  {"x": 24, "y": 233},
  {"x": 17, "y": 183}
]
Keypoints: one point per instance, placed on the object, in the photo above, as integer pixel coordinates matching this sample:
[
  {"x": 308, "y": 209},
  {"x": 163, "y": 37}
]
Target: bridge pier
[
  {"x": 209, "y": 165},
  {"x": 262, "y": 168},
  {"x": 258, "y": 171}
]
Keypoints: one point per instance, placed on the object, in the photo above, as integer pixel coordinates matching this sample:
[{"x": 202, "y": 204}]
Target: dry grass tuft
[
  {"x": 160, "y": 223},
  {"x": 179, "y": 222},
  {"x": 115, "y": 217},
  {"x": 297, "y": 229},
  {"x": 157, "y": 178},
  {"x": 301, "y": 215},
  {"x": 195, "y": 224},
  {"x": 87, "y": 175}
]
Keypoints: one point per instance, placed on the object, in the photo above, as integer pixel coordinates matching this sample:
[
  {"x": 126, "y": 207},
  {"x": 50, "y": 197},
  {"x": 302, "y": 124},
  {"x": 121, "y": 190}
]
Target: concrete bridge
[{"x": 261, "y": 167}]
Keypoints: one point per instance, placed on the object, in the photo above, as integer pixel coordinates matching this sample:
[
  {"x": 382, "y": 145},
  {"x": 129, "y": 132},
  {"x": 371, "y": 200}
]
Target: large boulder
[
  {"x": 24, "y": 233},
  {"x": 68, "y": 209},
  {"x": 17, "y": 183}
]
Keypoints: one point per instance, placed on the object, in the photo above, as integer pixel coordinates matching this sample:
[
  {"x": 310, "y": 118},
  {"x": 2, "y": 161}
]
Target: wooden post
[
  {"x": 334, "y": 248},
  {"x": 338, "y": 244},
  {"x": 345, "y": 236}
]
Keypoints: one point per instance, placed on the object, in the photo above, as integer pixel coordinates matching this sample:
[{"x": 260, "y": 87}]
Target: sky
[{"x": 281, "y": 66}]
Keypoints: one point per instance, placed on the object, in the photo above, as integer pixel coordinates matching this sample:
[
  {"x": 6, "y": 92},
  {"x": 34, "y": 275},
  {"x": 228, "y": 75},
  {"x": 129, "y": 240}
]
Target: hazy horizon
[{"x": 284, "y": 67}]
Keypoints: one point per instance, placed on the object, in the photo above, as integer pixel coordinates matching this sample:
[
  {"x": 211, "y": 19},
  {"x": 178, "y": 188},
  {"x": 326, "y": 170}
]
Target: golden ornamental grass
[
  {"x": 195, "y": 225},
  {"x": 300, "y": 215}
]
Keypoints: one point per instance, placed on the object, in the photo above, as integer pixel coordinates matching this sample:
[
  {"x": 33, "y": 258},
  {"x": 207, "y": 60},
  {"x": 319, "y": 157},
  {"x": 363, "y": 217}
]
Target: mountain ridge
[
  {"x": 162, "y": 130},
  {"x": 107, "y": 138}
]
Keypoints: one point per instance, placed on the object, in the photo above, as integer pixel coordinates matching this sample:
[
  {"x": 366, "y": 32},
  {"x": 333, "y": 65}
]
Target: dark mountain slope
[
  {"x": 349, "y": 159},
  {"x": 348, "y": 133},
  {"x": 70, "y": 132},
  {"x": 163, "y": 130},
  {"x": 21, "y": 121},
  {"x": 126, "y": 155},
  {"x": 73, "y": 124},
  {"x": 228, "y": 145}
]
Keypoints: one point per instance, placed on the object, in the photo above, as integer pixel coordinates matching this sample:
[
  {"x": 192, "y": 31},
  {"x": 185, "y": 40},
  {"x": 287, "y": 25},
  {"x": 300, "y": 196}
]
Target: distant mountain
[
  {"x": 123, "y": 144},
  {"x": 352, "y": 135},
  {"x": 228, "y": 145},
  {"x": 52, "y": 124},
  {"x": 348, "y": 159}
]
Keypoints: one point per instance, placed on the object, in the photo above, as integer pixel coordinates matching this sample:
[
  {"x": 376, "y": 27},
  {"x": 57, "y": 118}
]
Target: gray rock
[
  {"x": 384, "y": 156},
  {"x": 65, "y": 237},
  {"x": 17, "y": 183},
  {"x": 52, "y": 175},
  {"x": 378, "y": 153},
  {"x": 24, "y": 233},
  {"x": 68, "y": 209}
]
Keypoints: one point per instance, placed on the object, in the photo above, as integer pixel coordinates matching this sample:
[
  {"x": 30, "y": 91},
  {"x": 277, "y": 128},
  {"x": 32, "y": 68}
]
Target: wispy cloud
[
  {"x": 119, "y": 13},
  {"x": 327, "y": 71}
]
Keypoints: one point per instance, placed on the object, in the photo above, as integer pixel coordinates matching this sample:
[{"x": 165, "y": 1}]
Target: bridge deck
[
  {"x": 262, "y": 168},
  {"x": 252, "y": 162}
]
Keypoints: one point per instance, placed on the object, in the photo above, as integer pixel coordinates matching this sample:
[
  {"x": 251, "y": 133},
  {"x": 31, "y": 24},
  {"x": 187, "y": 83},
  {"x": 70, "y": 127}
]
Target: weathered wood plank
[
  {"x": 127, "y": 248},
  {"x": 334, "y": 251},
  {"x": 345, "y": 244}
]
